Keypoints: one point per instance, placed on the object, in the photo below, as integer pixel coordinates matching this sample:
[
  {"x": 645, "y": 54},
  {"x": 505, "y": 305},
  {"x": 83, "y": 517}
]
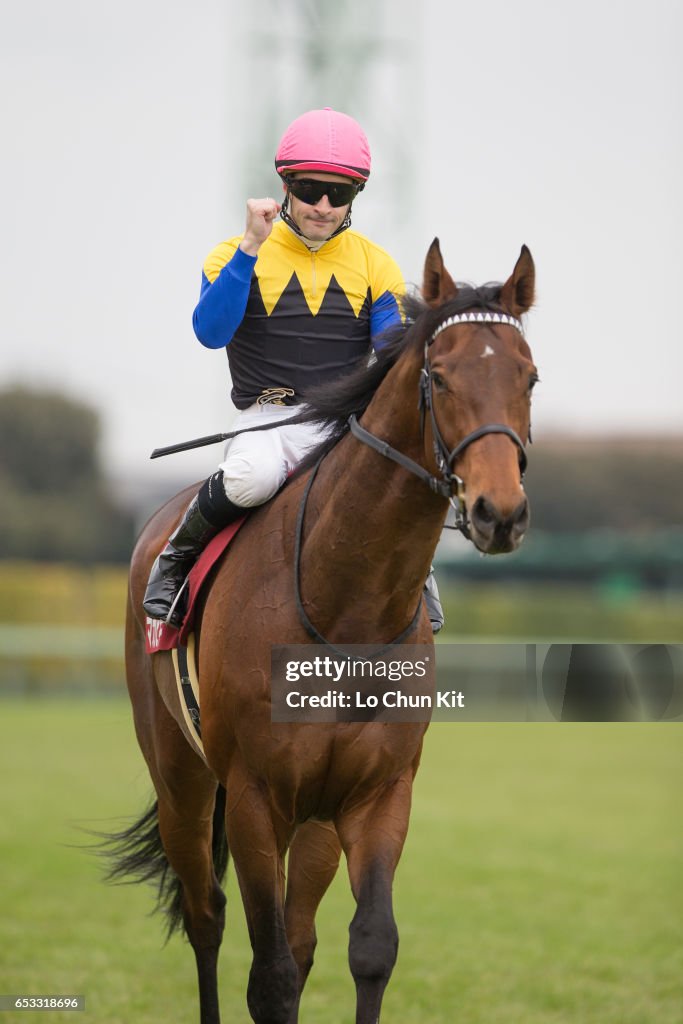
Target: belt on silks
[{"x": 275, "y": 396}]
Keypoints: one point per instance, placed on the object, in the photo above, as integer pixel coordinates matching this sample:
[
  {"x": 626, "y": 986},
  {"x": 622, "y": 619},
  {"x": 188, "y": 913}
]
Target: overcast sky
[{"x": 125, "y": 133}]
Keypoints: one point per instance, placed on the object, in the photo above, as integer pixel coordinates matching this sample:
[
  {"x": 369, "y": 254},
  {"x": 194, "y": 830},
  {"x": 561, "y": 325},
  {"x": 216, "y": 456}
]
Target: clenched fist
[{"x": 260, "y": 216}]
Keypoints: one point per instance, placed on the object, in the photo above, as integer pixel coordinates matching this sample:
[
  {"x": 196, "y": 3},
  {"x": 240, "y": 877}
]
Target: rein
[{"x": 305, "y": 621}]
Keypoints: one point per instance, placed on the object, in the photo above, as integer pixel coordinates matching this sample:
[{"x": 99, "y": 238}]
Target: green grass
[{"x": 540, "y": 883}]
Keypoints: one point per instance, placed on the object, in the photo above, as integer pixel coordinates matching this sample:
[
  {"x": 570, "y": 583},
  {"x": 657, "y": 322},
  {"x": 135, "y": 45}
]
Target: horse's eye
[
  {"x": 438, "y": 381},
  {"x": 533, "y": 380}
]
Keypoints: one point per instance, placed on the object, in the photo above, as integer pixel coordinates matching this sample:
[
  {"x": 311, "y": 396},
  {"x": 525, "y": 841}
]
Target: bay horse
[{"x": 452, "y": 390}]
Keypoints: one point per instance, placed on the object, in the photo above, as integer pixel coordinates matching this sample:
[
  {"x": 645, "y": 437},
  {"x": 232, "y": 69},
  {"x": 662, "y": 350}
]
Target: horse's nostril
[
  {"x": 520, "y": 517},
  {"x": 484, "y": 514},
  {"x": 490, "y": 523}
]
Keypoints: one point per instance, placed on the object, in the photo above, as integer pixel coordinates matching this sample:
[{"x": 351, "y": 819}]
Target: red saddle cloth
[{"x": 160, "y": 636}]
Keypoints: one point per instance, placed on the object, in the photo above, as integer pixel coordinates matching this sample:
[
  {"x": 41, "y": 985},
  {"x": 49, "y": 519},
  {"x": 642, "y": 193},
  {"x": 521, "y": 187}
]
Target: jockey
[{"x": 294, "y": 303}]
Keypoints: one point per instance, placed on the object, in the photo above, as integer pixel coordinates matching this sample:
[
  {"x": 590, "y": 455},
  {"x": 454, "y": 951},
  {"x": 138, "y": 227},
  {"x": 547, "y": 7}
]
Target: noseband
[{"x": 448, "y": 484}]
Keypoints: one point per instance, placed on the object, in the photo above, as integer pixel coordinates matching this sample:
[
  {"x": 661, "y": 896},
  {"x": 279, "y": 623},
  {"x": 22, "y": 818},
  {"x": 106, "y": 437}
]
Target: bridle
[{"x": 448, "y": 484}]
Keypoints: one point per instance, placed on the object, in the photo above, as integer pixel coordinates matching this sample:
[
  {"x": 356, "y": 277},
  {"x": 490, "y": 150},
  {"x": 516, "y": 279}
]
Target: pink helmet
[{"x": 324, "y": 140}]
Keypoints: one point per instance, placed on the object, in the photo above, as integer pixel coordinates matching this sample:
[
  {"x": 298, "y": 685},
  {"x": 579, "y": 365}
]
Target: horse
[{"x": 345, "y": 566}]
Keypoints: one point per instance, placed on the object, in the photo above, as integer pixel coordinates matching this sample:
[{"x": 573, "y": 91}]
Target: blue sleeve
[
  {"x": 222, "y": 304},
  {"x": 384, "y": 314}
]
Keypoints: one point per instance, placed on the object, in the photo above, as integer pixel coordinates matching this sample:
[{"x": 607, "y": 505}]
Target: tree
[{"x": 54, "y": 503}]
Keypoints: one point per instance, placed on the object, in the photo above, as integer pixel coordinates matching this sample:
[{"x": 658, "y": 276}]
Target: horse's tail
[{"x": 136, "y": 854}]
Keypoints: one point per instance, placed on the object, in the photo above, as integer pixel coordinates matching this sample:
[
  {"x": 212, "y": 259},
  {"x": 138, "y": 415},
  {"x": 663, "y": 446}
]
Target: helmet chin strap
[{"x": 292, "y": 224}]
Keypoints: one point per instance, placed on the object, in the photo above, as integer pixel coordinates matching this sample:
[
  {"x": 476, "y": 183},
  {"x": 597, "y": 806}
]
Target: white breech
[{"x": 257, "y": 463}]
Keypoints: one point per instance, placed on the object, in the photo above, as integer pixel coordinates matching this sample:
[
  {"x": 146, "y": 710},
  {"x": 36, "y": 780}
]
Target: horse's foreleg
[
  {"x": 313, "y": 862},
  {"x": 258, "y": 841},
  {"x": 372, "y": 837}
]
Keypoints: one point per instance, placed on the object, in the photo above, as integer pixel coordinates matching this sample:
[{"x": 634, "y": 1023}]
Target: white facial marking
[{"x": 488, "y": 351}]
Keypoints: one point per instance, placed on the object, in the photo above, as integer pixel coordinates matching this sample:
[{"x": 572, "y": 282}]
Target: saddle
[{"x": 159, "y": 636}]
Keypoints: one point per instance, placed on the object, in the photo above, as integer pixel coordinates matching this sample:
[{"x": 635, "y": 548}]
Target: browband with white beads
[{"x": 478, "y": 318}]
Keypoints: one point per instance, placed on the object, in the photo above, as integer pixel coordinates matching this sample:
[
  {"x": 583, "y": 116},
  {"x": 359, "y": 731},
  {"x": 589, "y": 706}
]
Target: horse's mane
[{"x": 332, "y": 404}]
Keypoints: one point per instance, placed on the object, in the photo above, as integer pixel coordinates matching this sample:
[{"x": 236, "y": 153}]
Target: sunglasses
[{"x": 310, "y": 191}]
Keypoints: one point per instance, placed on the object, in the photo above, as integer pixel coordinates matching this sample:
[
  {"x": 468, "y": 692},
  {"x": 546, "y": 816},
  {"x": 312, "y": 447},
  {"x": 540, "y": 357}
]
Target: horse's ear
[
  {"x": 437, "y": 284},
  {"x": 517, "y": 294}
]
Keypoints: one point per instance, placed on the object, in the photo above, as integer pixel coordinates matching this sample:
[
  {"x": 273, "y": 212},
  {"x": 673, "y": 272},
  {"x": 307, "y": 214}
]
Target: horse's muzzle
[{"x": 494, "y": 532}]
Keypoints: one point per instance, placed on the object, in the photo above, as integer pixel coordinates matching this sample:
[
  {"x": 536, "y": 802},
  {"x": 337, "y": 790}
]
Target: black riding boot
[
  {"x": 206, "y": 515},
  {"x": 433, "y": 602}
]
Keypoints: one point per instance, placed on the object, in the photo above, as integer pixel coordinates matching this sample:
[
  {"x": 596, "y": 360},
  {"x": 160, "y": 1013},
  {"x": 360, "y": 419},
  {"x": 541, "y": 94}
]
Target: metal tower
[{"x": 362, "y": 57}]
